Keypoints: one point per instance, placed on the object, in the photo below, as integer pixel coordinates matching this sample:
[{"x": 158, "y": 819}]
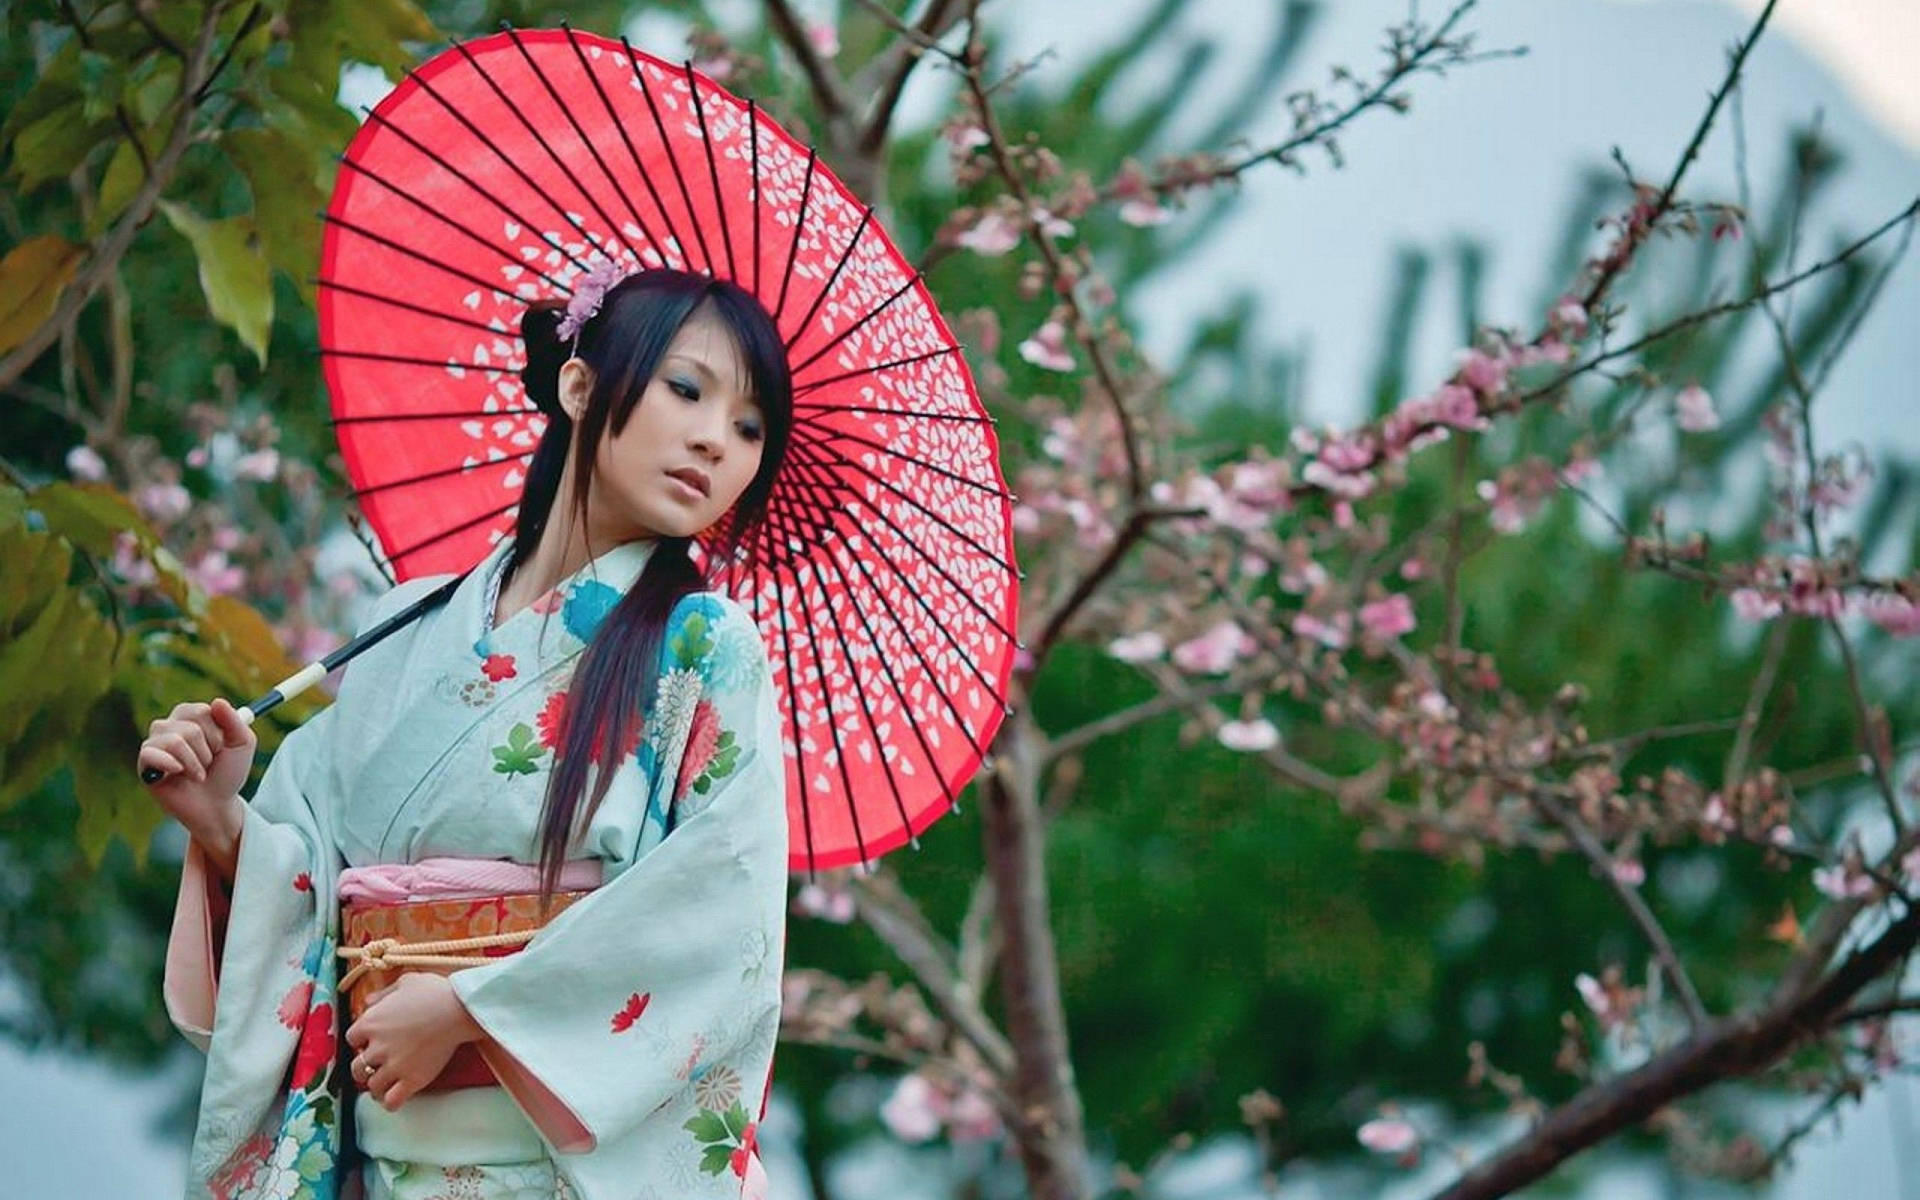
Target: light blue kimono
[{"x": 635, "y": 1033}]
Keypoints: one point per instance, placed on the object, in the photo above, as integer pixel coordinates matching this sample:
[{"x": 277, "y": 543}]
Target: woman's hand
[
  {"x": 205, "y": 751},
  {"x": 403, "y": 1040}
]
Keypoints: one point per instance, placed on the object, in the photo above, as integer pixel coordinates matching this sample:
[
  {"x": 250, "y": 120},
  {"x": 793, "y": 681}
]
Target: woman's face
[{"x": 690, "y": 447}]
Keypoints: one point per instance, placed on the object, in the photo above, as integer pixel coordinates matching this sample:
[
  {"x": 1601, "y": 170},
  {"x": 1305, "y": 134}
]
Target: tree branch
[
  {"x": 829, "y": 91},
  {"x": 93, "y": 274}
]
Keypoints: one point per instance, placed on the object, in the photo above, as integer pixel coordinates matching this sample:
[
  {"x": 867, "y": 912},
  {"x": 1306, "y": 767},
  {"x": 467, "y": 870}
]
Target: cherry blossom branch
[
  {"x": 886, "y": 77},
  {"x": 1058, "y": 270},
  {"x": 829, "y": 90},
  {"x": 1639, "y": 230},
  {"x": 1411, "y": 55},
  {"x": 1073, "y": 741},
  {"x": 887, "y": 909},
  {"x": 1725, "y": 1049},
  {"x": 1605, "y": 867}
]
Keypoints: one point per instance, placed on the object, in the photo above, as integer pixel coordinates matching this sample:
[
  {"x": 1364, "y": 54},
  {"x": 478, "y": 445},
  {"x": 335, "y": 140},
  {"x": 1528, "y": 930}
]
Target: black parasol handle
[{"x": 314, "y": 672}]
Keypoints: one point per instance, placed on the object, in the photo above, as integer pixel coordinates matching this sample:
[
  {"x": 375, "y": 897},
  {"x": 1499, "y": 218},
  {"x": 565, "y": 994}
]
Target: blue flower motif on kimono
[
  {"x": 317, "y": 951},
  {"x": 738, "y": 653},
  {"x": 586, "y": 606}
]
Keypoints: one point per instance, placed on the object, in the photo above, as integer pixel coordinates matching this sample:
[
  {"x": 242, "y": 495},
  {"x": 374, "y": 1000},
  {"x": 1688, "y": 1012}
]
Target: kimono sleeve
[
  {"x": 273, "y": 892},
  {"x": 663, "y": 985}
]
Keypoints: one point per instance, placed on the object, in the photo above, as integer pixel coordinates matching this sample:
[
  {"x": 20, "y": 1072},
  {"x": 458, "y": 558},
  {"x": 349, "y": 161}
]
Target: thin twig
[{"x": 1630, "y": 899}]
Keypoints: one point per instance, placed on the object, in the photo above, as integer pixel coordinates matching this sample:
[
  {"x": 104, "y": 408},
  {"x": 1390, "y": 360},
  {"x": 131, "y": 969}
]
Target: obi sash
[{"x": 441, "y": 915}]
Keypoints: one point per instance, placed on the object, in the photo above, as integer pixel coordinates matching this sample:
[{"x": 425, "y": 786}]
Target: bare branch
[
  {"x": 1630, "y": 899},
  {"x": 829, "y": 90}
]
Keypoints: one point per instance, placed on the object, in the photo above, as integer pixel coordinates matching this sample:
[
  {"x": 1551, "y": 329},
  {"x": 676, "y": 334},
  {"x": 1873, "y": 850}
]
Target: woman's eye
[
  {"x": 751, "y": 432},
  {"x": 684, "y": 388}
]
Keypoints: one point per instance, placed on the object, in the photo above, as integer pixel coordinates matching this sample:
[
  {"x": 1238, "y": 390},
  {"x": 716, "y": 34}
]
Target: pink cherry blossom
[
  {"x": 1843, "y": 882},
  {"x": 1484, "y": 373},
  {"x": 963, "y": 136},
  {"x": 1571, "y": 317},
  {"x": 991, "y": 236},
  {"x": 1138, "y": 647},
  {"x": 972, "y": 1118},
  {"x": 1047, "y": 348},
  {"x": 1454, "y": 405},
  {"x": 824, "y": 38},
  {"x": 1389, "y": 1135},
  {"x": 1333, "y": 634},
  {"x": 163, "y": 501},
  {"x": 1693, "y": 410},
  {"x": 1388, "y": 618},
  {"x": 215, "y": 575},
  {"x": 1896, "y": 614},
  {"x": 1215, "y": 651},
  {"x": 1594, "y": 994},
  {"x": 130, "y": 563},
  {"x": 84, "y": 463},
  {"x": 914, "y": 1110},
  {"x": 1050, "y": 225},
  {"x": 1629, "y": 871},
  {"x": 1755, "y": 605},
  {"x": 826, "y": 904},
  {"x": 1249, "y": 736},
  {"x": 258, "y": 465},
  {"x": 1145, "y": 213}
]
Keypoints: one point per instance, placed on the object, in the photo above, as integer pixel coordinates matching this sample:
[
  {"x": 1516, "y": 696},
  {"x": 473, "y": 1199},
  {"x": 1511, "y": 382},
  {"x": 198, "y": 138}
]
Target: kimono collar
[{"x": 582, "y": 599}]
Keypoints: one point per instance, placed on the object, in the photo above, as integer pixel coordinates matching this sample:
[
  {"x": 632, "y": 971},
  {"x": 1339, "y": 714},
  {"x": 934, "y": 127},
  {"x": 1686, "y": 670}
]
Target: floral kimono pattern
[{"x": 633, "y": 1037}]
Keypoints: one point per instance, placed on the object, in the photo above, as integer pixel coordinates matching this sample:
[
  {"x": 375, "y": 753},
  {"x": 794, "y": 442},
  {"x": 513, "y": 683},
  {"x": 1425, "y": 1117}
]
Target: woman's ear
[{"x": 576, "y": 384}]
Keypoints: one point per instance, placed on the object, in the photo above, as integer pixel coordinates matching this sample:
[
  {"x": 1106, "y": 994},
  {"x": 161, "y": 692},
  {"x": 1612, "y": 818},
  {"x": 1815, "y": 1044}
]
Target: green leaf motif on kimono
[
  {"x": 709, "y": 1127},
  {"x": 694, "y": 641},
  {"x": 521, "y": 755},
  {"x": 313, "y": 1162},
  {"x": 726, "y": 752},
  {"x": 717, "y": 1160}
]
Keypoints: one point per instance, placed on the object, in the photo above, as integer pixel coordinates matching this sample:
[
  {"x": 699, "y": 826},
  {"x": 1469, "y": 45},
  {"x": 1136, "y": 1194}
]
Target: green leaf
[
  {"x": 288, "y": 189},
  {"x": 694, "y": 641},
  {"x": 32, "y": 276},
  {"x": 54, "y": 145},
  {"x": 118, "y": 186},
  {"x": 717, "y": 1160},
  {"x": 112, "y": 802},
  {"x": 233, "y": 273},
  {"x": 708, "y": 1127},
  {"x": 36, "y": 565},
  {"x": 377, "y": 29}
]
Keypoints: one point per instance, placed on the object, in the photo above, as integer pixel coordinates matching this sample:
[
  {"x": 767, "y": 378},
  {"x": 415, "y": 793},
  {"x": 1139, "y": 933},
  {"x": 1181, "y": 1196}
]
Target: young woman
[{"x": 578, "y": 722}]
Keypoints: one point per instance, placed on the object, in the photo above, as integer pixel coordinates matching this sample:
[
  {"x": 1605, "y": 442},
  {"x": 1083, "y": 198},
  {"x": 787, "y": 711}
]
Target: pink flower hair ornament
[{"x": 588, "y": 293}]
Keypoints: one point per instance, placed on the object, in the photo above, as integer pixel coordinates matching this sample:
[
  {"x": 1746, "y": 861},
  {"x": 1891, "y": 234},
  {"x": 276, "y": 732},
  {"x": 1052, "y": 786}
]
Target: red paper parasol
[{"x": 883, "y": 581}]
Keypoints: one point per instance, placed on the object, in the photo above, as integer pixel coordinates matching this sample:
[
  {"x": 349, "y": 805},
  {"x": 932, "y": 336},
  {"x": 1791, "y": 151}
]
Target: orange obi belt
[{"x": 380, "y": 941}]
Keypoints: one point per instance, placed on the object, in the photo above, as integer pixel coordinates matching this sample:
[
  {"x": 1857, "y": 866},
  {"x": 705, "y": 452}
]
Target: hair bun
[{"x": 546, "y": 353}]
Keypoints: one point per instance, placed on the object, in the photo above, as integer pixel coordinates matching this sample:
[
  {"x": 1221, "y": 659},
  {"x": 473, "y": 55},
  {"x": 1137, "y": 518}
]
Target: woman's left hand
[{"x": 403, "y": 1040}]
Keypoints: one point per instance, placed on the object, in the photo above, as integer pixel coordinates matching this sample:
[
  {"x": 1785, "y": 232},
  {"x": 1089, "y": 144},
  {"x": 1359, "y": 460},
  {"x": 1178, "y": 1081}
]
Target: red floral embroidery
[
  {"x": 293, "y": 1005},
  {"x": 497, "y": 667},
  {"x": 241, "y": 1172},
  {"x": 749, "y": 1141},
  {"x": 551, "y": 723},
  {"x": 303, "y": 882},
  {"x": 316, "y": 1047},
  {"x": 636, "y": 1004},
  {"x": 703, "y": 738}
]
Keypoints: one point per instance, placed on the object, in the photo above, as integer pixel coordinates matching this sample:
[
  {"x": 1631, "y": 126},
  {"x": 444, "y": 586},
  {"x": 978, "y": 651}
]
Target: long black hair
[{"x": 617, "y": 673}]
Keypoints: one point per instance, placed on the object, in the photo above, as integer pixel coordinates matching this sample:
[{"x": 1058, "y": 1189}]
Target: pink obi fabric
[{"x": 454, "y": 878}]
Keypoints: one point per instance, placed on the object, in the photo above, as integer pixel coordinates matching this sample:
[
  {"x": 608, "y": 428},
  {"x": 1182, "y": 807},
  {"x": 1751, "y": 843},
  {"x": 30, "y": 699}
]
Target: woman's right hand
[{"x": 205, "y": 751}]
